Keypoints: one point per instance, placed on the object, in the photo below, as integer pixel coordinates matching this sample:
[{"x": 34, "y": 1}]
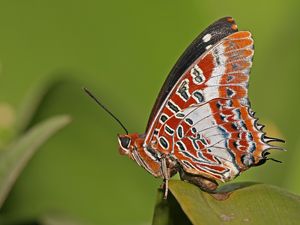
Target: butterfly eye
[{"x": 124, "y": 142}]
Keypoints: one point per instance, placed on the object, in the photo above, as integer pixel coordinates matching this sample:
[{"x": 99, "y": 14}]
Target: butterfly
[{"x": 202, "y": 125}]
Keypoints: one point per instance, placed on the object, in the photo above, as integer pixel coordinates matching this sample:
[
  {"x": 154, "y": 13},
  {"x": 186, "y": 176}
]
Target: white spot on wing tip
[
  {"x": 208, "y": 47},
  {"x": 206, "y": 38}
]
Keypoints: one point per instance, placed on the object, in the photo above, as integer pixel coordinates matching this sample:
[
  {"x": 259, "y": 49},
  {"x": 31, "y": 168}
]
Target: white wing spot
[
  {"x": 208, "y": 47},
  {"x": 206, "y": 38}
]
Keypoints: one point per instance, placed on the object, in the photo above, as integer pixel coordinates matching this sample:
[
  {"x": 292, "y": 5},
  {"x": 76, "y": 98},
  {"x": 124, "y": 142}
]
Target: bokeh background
[{"x": 123, "y": 50}]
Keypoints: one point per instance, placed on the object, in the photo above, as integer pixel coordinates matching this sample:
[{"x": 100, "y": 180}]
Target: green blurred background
[{"x": 123, "y": 50}]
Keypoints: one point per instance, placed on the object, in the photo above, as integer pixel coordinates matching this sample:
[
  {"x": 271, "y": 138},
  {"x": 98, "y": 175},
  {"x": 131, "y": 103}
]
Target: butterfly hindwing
[{"x": 205, "y": 121}]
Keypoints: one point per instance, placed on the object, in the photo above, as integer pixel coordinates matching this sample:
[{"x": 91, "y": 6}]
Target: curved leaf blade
[
  {"x": 14, "y": 158},
  {"x": 249, "y": 203},
  {"x": 32, "y": 102}
]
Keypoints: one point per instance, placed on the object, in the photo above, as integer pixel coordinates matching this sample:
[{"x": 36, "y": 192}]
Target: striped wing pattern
[{"x": 206, "y": 122}]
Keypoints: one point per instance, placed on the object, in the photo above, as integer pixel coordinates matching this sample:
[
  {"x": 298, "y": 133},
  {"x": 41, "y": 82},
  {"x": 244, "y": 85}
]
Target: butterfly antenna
[
  {"x": 275, "y": 160},
  {"x": 103, "y": 107}
]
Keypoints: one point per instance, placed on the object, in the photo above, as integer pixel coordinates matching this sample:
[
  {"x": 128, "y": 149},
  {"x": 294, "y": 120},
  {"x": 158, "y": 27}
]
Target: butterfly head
[
  {"x": 124, "y": 144},
  {"x": 127, "y": 143}
]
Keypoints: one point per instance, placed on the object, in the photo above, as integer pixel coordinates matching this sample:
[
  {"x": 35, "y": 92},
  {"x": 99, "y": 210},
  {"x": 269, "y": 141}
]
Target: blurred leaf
[
  {"x": 48, "y": 219},
  {"x": 7, "y": 121},
  {"x": 54, "y": 219},
  {"x": 249, "y": 203},
  {"x": 15, "y": 157},
  {"x": 32, "y": 102},
  {"x": 29, "y": 106},
  {"x": 84, "y": 155}
]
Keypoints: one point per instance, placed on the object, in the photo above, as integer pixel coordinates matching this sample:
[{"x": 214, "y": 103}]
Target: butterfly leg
[{"x": 166, "y": 175}]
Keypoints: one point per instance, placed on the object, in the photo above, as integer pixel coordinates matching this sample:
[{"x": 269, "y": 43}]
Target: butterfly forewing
[
  {"x": 210, "y": 36},
  {"x": 204, "y": 121}
]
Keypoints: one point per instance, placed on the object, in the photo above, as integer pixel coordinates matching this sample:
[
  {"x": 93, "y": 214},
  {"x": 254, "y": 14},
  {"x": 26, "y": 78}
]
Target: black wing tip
[{"x": 228, "y": 21}]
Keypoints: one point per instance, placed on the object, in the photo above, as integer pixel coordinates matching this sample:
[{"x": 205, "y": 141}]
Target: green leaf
[
  {"x": 32, "y": 102},
  {"x": 248, "y": 203},
  {"x": 7, "y": 122},
  {"x": 168, "y": 211},
  {"x": 15, "y": 157}
]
